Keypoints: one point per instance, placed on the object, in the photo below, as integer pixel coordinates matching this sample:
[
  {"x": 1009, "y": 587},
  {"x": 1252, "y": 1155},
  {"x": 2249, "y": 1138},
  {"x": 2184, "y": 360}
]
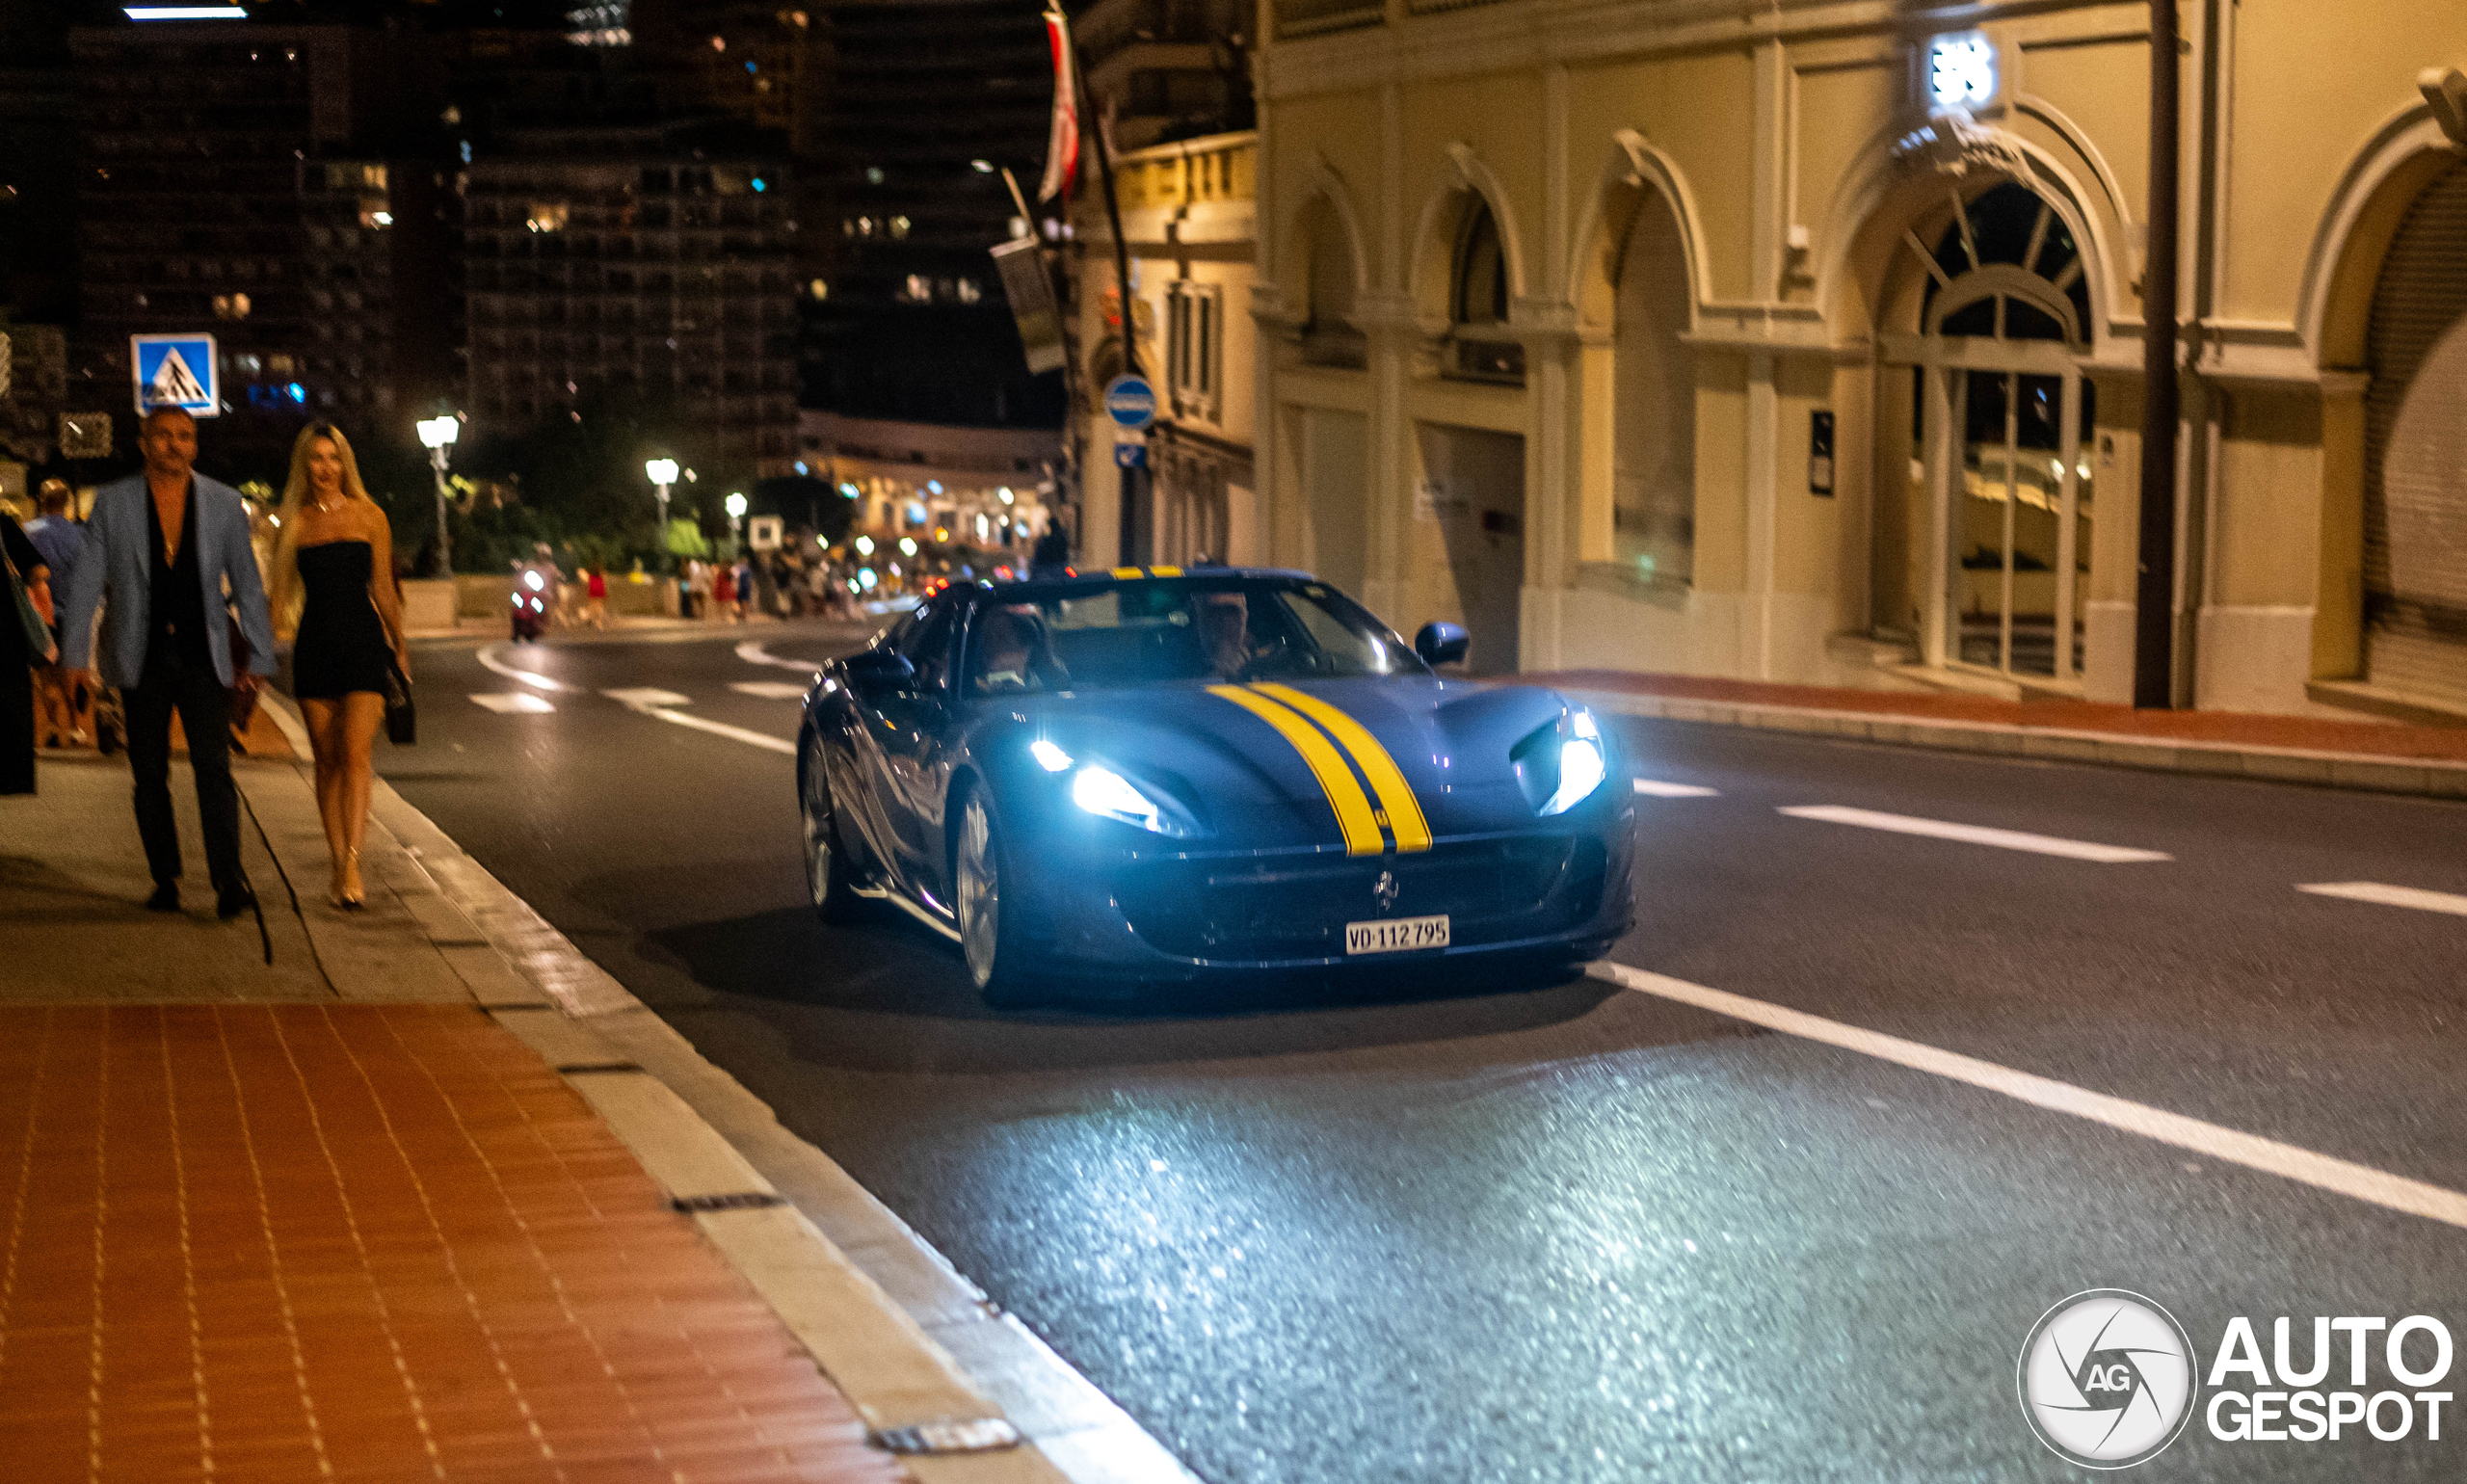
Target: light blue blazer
[{"x": 115, "y": 571}]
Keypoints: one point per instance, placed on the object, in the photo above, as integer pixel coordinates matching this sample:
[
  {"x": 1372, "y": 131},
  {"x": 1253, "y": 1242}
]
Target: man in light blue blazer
[{"x": 168, "y": 557}]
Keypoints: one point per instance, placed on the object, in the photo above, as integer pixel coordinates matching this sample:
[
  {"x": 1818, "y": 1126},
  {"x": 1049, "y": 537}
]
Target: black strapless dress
[{"x": 341, "y": 646}]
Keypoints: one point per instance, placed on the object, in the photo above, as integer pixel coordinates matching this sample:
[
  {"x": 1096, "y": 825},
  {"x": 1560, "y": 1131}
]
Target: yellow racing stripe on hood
[
  {"x": 1354, "y": 818},
  {"x": 1387, "y": 780}
]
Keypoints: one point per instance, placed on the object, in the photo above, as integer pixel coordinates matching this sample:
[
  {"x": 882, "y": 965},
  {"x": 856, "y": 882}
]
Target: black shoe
[
  {"x": 228, "y": 905},
  {"x": 166, "y": 897}
]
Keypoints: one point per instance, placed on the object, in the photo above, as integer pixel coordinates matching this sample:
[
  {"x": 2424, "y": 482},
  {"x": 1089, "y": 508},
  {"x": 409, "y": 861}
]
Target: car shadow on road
[{"x": 889, "y": 995}]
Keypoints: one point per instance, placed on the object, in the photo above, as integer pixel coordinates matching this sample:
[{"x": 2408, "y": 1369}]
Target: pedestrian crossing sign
[{"x": 175, "y": 371}]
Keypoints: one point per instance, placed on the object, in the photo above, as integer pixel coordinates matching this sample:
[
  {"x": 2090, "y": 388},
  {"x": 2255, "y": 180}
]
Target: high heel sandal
[{"x": 352, "y": 901}]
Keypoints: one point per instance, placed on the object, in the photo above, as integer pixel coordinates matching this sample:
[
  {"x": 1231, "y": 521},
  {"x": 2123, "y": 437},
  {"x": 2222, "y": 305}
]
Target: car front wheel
[
  {"x": 989, "y": 935},
  {"x": 828, "y": 879}
]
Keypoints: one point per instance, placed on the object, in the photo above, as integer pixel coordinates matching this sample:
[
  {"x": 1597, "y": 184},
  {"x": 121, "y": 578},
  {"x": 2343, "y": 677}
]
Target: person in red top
[
  {"x": 595, "y": 592},
  {"x": 724, "y": 592}
]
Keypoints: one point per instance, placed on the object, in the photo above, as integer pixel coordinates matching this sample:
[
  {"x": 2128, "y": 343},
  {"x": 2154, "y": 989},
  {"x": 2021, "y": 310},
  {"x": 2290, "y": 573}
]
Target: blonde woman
[{"x": 334, "y": 559}]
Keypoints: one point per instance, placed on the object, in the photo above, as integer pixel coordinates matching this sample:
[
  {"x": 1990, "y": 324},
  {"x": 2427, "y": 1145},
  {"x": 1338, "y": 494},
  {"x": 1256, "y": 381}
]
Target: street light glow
[
  {"x": 439, "y": 432},
  {"x": 737, "y": 506},
  {"x": 661, "y": 472},
  {"x": 864, "y": 546}
]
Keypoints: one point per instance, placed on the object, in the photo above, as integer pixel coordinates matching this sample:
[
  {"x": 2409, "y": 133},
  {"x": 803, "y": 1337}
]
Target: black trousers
[{"x": 204, "y": 704}]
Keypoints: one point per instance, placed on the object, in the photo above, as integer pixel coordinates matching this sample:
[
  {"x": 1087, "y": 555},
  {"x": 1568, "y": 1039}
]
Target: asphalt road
[{"x": 1489, "y": 1232}]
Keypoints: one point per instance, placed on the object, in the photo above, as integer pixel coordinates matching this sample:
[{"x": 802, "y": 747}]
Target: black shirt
[{"x": 177, "y": 601}]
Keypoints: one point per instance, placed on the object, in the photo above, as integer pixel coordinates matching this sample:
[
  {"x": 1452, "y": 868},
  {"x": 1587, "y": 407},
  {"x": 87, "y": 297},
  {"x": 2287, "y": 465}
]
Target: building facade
[
  {"x": 273, "y": 186},
  {"x": 1188, "y": 219},
  {"x": 1804, "y": 343},
  {"x": 620, "y": 262}
]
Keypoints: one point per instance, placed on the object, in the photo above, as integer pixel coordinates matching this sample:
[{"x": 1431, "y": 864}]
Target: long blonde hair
[{"x": 284, "y": 595}]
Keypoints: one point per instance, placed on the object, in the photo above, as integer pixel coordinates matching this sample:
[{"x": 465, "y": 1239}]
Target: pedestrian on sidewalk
[
  {"x": 335, "y": 542},
  {"x": 57, "y": 717},
  {"x": 163, "y": 549},
  {"x": 595, "y": 584},
  {"x": 724, "y": 594},
  {"x": 698, "y": 586},
  {"x": 747, "y": 598},
  {"x": 17, "y": 659},
  {"x": 59, "y": 538}
]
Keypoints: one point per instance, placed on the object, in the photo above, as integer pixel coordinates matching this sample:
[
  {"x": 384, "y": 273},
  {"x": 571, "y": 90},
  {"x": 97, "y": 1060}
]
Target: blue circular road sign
[{"x": 1130, "y": 402}]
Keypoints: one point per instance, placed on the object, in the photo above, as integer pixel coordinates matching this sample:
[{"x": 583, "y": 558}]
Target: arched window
[
  {"x": 1654, "y": 404},
  {"x": 1329, "y": 335},
  {"x": 1478, "y": 299},
  {"x": 2007, "y": 267}
]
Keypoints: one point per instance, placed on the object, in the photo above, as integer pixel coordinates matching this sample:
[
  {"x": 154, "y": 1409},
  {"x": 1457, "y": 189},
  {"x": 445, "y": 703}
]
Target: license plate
[{"x": 1396, "y": 935}]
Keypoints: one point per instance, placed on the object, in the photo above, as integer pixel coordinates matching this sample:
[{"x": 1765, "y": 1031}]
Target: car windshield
[{"x": 1162, "y": 631}]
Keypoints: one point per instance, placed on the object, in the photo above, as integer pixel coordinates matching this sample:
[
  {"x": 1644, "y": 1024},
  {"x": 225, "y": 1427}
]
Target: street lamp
[
  {"x": 736, "y": 519},
  {"x": 438, "y": 433},
  {"x": 662, "y": 473}
]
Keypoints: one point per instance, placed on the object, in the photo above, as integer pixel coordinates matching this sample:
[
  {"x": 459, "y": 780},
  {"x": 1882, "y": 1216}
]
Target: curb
[
  {"x": 964, "y": 1392},
  {"x": 2367, "y": 772}
]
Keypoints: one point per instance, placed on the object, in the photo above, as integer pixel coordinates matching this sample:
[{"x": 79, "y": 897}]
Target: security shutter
[{"x": 2415, "y": 499}]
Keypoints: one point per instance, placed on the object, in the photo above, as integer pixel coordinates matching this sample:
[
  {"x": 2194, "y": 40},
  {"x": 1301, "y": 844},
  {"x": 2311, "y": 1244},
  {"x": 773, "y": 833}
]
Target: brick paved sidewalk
[
  {"x": 2311, "y": 734},
  {"x": 267, "y": 1243}
]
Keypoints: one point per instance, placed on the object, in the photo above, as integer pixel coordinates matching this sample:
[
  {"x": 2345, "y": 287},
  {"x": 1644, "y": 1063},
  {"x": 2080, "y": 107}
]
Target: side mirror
[
  {"x": 886, "y": 668},
  {"x": 1442, "y": 643}
]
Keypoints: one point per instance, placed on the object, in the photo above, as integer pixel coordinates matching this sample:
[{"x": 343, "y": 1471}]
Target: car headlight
[
  {"x": 1581, "y": 770},
  {"x": 1101, "y": 790},
  {"x": 1561, "y": 765}
]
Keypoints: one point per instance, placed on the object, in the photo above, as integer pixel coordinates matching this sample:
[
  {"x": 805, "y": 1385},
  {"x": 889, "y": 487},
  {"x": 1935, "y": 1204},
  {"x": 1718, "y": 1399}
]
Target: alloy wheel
[{"x": 981, "y": 892}]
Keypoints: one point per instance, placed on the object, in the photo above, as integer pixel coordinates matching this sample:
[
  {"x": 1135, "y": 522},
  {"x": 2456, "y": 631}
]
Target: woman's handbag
[
  {"x": 402, "y": 716},
  {"x": 39, "y": 640}
]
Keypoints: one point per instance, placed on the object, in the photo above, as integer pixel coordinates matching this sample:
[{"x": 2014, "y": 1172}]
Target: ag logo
[{"x": 2107, "y": 1379}]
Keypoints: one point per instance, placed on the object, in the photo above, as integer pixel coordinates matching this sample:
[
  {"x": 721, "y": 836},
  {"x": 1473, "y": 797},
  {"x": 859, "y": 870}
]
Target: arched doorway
[
  {"x": 2415, "y": 484},
  {"x": 1986, "y": 563}
]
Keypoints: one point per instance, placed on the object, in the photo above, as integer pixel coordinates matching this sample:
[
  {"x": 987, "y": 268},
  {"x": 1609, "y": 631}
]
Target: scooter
[{"x": 530, "y": 608}]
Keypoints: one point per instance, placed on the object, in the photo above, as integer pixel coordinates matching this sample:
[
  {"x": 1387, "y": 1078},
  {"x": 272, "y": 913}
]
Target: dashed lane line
[
  {"x": 515, "y": 702},
  {"x": 2229, "y": 1146},
  {"x": 490, "y": 659},
  {"x": 1662, "y": 790},
  {"x": 2390, "y": 896},
  {"x": 753, "y": 652},
  {"x": 646, "y": 700},
  {"x": 769, "y": 690},
  {"x": 1975, "y": 835}
]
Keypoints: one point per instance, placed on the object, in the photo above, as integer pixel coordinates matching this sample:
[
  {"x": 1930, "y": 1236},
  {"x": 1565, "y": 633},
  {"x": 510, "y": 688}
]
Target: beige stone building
[
  {"x": 1188, "y": 215},
  {"x": 1802, "y": 341}
]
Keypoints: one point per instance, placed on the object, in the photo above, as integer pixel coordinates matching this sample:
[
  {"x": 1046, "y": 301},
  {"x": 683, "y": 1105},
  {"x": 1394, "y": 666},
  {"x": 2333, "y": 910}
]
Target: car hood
[{"x": 1239, "y": 763}]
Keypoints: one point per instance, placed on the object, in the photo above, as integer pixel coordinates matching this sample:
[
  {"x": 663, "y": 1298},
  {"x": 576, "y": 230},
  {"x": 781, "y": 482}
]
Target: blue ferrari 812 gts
[{"x": 1157, "y": 773}]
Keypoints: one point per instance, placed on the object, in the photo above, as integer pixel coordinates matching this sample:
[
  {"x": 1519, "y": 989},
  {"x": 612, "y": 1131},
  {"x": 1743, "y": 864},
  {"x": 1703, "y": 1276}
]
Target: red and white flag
[{"x": 1062, "y": 147}]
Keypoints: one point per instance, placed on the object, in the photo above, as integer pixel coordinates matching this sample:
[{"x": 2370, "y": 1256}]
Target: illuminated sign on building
[{"x": 1961, "y": 71}]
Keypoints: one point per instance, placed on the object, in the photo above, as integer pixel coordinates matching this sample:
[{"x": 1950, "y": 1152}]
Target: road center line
[
  {"x": 2390, "y": 896},
  {"x": 1662, "y": 790},
  {"x": 2322, "y": 1172},
  {"x": 487, "y": 657},
  {"x": 1975, "y": 835}
]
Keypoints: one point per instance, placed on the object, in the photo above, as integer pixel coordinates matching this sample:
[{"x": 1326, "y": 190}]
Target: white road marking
[
  {"x": 654, "y": 703},
  {"x": 1663, "y": 790},
  {"x": 769, "y": 690},
  {"x": 488, "y": 659},
  {"x": 2322, "y": 1172},
  {"x": 2392, "y": 896},
  {"x": 753, "y": 652},
  {"x": 1975, "y": 835},
  {"x": 510, "y": 702}
]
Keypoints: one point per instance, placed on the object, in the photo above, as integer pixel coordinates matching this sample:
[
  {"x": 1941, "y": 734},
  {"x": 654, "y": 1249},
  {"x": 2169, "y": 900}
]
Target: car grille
[{"x": 1274, "y": 909}]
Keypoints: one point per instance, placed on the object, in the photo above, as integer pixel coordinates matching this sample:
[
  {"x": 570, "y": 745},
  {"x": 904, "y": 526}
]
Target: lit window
[
  {"x": 969, "y": 292},
  {"x": 919, "y": 289},
  {"x": 818, "y": 289},
  {"x": 548, "y": 216},
  {"x": 873, "y": 174},
  {"x": 900, "y": 226}
]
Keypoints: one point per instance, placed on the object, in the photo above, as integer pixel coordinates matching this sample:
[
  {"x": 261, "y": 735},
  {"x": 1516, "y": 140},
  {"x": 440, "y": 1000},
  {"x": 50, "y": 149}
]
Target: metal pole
[
  {"x": 659, "y": 553},
  {"x": 2155, "y": 593},
  {"x": 444, "y": 534},
  {"x": 1130, "y": 480}
]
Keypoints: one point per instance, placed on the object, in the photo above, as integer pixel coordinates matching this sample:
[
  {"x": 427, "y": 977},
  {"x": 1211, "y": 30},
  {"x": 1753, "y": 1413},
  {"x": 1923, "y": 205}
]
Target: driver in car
[
  {"x": 1008, "y": 643},
  {"x": 1225, "y": 632}
]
